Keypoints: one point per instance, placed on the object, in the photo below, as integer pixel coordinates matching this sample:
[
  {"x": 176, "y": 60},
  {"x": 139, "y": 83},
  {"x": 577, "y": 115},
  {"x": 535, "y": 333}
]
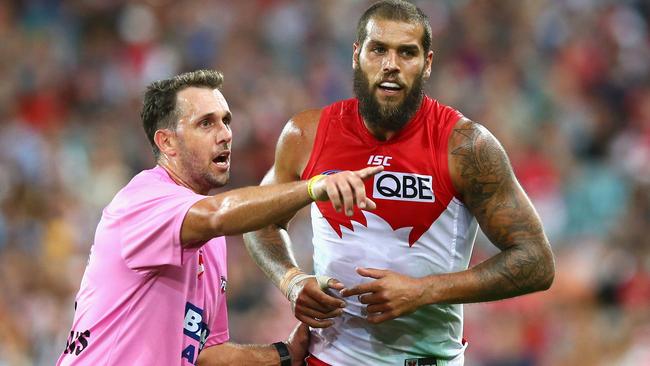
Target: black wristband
[{"x": 283, "y": 351}]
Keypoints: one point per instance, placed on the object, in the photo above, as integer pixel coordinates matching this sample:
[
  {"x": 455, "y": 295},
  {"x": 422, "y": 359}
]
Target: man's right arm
[
  {"x": 282, "y": 194},
  {"x": 270, "y": 247},
  {"x": 256, "y": 354}
]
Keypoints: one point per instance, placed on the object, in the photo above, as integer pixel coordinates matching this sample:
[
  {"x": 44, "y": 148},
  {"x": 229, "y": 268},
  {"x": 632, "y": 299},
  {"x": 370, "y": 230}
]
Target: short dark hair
[
  {"x": 399, "y": 10},
  {"x": 159, "y": 105}
]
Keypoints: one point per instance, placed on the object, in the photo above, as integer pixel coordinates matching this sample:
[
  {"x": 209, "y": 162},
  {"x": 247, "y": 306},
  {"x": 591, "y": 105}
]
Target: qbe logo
[{"x": 403, "y": 187}]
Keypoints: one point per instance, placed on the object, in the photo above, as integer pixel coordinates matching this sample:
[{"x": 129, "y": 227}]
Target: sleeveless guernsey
[{"x": 419, "y": 228}]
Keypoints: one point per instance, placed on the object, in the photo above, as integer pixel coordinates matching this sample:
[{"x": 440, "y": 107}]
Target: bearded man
[{"x": 401, "y": 272}]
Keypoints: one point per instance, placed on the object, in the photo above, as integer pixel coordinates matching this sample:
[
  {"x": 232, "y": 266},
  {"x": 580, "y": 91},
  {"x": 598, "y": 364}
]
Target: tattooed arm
[{"x": 481, "y": 172}]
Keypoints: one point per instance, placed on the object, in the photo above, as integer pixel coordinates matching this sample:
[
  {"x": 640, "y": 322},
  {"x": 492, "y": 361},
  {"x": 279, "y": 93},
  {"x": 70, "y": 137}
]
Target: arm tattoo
[
  {"x": 491, "y": 192},
  {"x": 269, "y": 248}
]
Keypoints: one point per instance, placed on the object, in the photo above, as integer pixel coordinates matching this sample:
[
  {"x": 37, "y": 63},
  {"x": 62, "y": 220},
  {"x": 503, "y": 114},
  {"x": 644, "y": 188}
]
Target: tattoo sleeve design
[{"x": 504, "y": 213}]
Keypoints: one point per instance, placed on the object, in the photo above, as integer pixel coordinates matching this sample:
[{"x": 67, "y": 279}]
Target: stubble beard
[
  {"x": 200, "y": 176},
  {"x": 389, "y": 116}
]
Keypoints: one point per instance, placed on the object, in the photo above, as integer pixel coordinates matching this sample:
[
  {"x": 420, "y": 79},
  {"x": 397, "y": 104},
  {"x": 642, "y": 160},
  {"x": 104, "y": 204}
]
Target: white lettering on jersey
[
  {"x": 193, "y": 321},
  {"x": 379, "y": 160},
  {"x": 403, "y": 187}
]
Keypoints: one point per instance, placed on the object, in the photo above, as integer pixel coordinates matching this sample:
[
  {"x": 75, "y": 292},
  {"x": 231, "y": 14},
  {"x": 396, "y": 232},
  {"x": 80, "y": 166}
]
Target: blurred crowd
[{"x": 563, "y": 84}]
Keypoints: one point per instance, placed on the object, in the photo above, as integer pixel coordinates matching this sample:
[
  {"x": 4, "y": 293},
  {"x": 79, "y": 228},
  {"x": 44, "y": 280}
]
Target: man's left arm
[
  {"x": 481, "y": 172},
  {"x": 256, "y": 354}
]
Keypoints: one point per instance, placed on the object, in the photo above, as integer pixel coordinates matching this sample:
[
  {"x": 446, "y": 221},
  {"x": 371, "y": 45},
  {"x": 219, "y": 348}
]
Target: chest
[{"x": 409, "y": 192}]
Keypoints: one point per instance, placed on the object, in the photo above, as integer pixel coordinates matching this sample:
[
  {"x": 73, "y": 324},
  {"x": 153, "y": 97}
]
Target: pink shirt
[{"x": 144, "y": 300}]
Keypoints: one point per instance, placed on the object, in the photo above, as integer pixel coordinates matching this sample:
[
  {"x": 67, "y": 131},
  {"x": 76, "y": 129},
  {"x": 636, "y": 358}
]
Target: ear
[
  {"x": 165, "y": 139},
  {"x": 427, "y": 65},
  {"x": 356, "y": 49}
]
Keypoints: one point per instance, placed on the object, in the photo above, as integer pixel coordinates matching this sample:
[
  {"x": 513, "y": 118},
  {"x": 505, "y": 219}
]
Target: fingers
[
  {"x": 366, "y": 287},
  {"x": 342, "y": 189},
  {"x": 314, "y": 307},
  {"x": 372, "y": 299},
  {"x": 372, "y": 272},
  {"x": 311, "y": 313},
  {"x": 334, "y": 196},
  {"x": 368, "y": 172},
  {"x": 314, "y": 323},
  {"x": 305, "y": 302},
  {"x": 324, "y": 299},
  {"x": 370, "y": 204},
  {"x": 377, "y": 308},
  {"x": 346, "y": 189},
  {"x": 382, "y": 317},
  {"x": 360, "y": 289},
  {"x": 333, "y": 283}
]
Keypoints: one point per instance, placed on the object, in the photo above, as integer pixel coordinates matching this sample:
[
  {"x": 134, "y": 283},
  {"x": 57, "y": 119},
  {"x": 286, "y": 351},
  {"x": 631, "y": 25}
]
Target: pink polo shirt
[{"x": 144, "y": 300}]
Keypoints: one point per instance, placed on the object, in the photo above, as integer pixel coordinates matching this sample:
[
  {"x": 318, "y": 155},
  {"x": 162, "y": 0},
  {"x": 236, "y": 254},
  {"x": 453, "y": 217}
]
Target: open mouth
[
  {"x": 223, "y": 159},
  {"x": 390, "y": 86}
]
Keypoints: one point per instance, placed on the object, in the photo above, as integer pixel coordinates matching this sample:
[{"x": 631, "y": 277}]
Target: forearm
[
  {"x": 237, "y": 354},
  {"x": 242, "y": 210},
  {"x": 517, "y": 270},
  {"x": 270, "y": 249}
]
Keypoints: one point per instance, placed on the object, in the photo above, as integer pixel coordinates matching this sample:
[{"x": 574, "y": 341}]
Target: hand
[
  {"x": 312, "y": 306},
  {"x": 389, "y": 296},
  {"x": 298, "y": 344},
  {"x": 345, "y": 189}
]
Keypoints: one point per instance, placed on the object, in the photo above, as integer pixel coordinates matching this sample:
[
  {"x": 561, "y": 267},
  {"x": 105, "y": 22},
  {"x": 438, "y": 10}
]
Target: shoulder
[
  {"x": 467, "y": 133},
  {"x": 294, "y": 146},
  {"x": 477, "y": 160},
  {"x": 150, "y": 185},
  {"x": 301, "y": 127}
]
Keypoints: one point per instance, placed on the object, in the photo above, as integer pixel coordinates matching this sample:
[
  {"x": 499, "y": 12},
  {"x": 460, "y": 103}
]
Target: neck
[
  {"x": 380, "y": 133},
  {"x": 386, "y": 131},
  {"x": 174, "y": 172}
]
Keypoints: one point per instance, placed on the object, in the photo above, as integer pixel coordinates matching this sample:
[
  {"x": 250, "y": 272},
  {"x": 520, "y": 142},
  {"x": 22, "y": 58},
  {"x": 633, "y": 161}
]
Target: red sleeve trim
[{"x": 452, "y": 117}]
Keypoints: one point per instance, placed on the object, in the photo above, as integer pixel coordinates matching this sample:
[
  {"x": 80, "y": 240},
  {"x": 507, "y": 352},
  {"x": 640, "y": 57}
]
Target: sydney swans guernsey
[{"x": 419, "y": 228}]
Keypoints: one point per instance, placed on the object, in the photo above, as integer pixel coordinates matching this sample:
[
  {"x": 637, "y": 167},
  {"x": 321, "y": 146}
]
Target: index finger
[
  {"x": 369, "y": 171},
  {"x": 325, "y": 299},
  {"x": 359, "y": 289}
]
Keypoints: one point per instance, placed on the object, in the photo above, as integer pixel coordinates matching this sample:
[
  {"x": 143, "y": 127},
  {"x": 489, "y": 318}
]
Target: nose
[
  {"x": 225, "y": 134},
  {"x": 389, "y": 62}
]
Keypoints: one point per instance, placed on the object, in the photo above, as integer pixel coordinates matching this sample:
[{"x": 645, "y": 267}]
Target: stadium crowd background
[{"x": 564, "y": 85}]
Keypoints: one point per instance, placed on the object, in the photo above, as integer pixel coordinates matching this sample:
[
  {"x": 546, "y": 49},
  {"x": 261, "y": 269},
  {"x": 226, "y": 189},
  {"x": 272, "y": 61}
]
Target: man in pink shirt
[{"x": 153, "y": 292}]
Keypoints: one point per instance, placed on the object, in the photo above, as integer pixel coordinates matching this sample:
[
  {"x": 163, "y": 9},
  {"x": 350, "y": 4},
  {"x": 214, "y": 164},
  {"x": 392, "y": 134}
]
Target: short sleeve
[
  {"x": 219, "y": 326},
  {"x": 218, "y": 321},
  {"x": 150, "y": 226}
]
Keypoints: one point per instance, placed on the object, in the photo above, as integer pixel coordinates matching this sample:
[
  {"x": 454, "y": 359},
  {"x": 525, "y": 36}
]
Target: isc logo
[
  {"x": 403, "y": 187},
  {"x": 379, "y": 160}
]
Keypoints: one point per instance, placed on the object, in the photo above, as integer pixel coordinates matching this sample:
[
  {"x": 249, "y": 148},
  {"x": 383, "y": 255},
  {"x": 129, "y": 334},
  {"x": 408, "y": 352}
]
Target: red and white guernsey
[{"x": 419, "y": 228}]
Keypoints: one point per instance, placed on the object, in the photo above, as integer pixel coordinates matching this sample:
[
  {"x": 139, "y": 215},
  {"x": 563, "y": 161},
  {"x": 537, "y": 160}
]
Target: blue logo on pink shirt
[{"x": 195, "y": 328}]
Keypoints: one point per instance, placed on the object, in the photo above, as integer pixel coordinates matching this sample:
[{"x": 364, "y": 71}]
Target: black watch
[{"x": 283, "y": 351}]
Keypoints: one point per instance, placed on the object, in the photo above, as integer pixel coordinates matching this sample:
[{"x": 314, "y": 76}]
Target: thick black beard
[{"x": 390, "y": 117}]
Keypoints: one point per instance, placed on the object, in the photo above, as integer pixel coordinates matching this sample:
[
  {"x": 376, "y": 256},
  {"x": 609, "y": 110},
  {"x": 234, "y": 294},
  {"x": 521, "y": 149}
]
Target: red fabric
[
  {"x": 343, "y": 142},
  {"x": 313, "y": 361}
]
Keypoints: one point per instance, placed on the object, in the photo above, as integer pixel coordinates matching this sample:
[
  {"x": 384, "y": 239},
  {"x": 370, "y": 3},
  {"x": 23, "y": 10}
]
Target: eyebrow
[
  {"x": 409, "y": 47},
  {"x": 401, "y": 47},
  {"x": 226, "y": 117}
]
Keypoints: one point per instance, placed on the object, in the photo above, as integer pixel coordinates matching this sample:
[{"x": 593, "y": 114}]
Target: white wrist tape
[
  {"x": 323, "y": 282},
  {"x": 293, "y": 282}
]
